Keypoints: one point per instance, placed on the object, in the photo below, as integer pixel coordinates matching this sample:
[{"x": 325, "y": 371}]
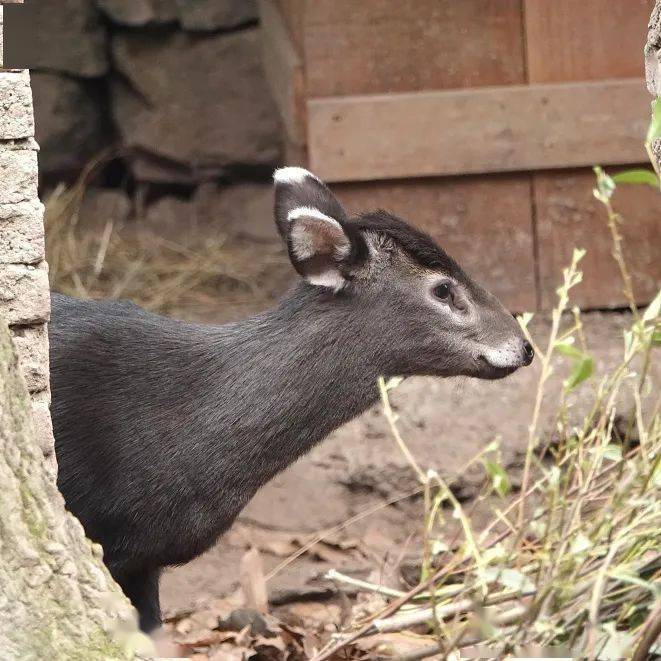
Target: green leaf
[
  {"x": 499, "y": 480},
  {"x": 656, "y": 338},
  {"x": 638, "y": 176},
  {"x": 580, "y": 544},
  {"x": 612, "y": 452},
  {"x": 438, "y": 546},
  {"x": 656, "y": 476},
  {"x": 628, "y": 340},
  {"x": 509, "y": 578},
  {"x": 582, "y": 370},
  {"x": 578, "y": 253},
  {"x": 653, "y": 309},
  {"x": 654, "y": 130},
  {"x": 567, "y": 348},
  {"x": 630, "y": 576}
]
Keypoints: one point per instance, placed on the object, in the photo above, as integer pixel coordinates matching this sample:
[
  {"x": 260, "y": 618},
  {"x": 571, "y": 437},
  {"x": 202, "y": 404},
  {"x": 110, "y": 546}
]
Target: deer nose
[{"x": 528, "y": 352}]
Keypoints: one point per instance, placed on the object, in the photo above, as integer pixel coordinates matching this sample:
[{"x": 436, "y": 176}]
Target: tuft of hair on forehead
[{"x": 418, "y": 245}]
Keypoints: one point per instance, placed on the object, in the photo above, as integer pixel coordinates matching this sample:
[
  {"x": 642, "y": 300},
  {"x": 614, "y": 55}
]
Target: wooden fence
[{"x": 478, "y": 121}]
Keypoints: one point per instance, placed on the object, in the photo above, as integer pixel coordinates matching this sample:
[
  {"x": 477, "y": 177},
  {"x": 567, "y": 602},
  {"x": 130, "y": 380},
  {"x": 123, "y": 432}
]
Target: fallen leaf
[
  {"x": 228, "y": 652},
  {"x": 392, "y": 644},
  {"x": 253, "y": 581}
]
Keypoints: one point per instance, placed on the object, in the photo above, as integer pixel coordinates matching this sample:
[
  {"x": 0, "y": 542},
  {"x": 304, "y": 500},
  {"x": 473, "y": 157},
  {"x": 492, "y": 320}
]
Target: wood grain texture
[
  {"x": 571, "y": 40},
  {"x": 283, "y": 70},
  {"x": 568, "y": 216},
  {"x": 380, "y": 46},
  {"x": 478, "y": 130},
  {"x": 483, "y": 223},
  {"x": 591, "y": 40}
]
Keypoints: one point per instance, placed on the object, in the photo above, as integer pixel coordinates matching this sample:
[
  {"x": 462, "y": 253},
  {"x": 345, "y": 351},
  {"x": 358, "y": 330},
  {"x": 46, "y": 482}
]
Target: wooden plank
[
  {"x": 590, "y": 40},
  {"x": 571, "y": 40},
  {"x": 383, "y": 46},
  {"x": 484, "y": 223},
  {"x": 568, "y": 216},
  {"x": 479, "y": 130},
  {"x": 284, "y": 71}
]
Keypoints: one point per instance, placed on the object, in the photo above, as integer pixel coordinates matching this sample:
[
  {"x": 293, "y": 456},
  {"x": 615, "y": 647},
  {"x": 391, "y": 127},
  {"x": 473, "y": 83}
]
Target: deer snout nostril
[{"x": 528, "y": 352}]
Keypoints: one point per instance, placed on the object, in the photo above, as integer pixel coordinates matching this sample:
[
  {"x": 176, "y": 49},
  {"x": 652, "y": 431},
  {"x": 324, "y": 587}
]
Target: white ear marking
[
  {"x": 292, "y": 175},
  {"x": 312, "y": 213},
  {"x": 305, "y": 240},
  {"x": 302, "y": 244},
  {"x": 330, "y": 278}
]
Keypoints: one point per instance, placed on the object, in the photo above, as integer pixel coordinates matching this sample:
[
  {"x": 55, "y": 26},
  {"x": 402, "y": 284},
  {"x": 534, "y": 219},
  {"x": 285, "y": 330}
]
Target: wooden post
[{"x": 653, "y": 65}]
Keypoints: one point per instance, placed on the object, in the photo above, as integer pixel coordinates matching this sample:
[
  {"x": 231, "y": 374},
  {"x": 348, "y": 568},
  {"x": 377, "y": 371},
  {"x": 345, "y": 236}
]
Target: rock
[
  {"x": 24, "y": 294},
  {"x": 201, "y": 123},
  {"x": 103, "y": 205},
  {"x": 17, "y": 119},
  {"x": 43, "y": 425},
  {"x": 171, "y": 218},
  {"x": 157, "y": 170},
  {"x": 18, "y": 171},
  {"x": 245, "y": 617},
  {"x": 194, "y": 15},
  {"x": 31, "y": 344},
  {"x": 69, "y": 36},
  {"x": 69, "y": 123},
  {"x": 244, "y": 210},
  {"x": 21, "y": 233},
  {"x": 139, "y": 12},
  {"x": 237, "y": 210},
  {"x": 216, "y": 14}
]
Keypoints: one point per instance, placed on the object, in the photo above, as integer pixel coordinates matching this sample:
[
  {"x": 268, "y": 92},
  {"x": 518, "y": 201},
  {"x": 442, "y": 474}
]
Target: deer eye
[{"x": 442, "y": 291}]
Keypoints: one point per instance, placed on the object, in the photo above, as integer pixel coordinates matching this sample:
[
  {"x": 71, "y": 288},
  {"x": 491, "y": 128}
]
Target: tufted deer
[{"x": 164, "y": 430}]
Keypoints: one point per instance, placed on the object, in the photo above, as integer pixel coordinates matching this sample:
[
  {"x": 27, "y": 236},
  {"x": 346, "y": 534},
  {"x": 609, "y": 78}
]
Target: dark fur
[
  {"x": 416, "y": 244},
  {"x": 164, "y": 430}
]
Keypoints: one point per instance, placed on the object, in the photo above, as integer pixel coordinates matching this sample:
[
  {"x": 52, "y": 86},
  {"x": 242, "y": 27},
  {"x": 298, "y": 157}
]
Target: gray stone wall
[
  {"x": 24, "y": 291},
  {"x": 175, "y": 87}
]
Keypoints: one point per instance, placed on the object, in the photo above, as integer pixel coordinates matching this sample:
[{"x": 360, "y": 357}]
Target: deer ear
[
  {"x": 295, "y": 188},
  {"x": 312, "y": 224},
  {"x": 318, "y": 247}
]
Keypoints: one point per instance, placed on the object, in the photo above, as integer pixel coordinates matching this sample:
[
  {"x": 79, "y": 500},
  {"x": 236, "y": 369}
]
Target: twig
[
  {"x": 412, "y": 618},
  {"x": 392, "y": 422},
  {"x": 651, "y": 631},
  {"x": 334, "y": 575}
]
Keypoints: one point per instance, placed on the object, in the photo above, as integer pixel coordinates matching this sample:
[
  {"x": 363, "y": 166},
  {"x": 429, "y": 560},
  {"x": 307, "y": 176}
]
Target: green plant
[{"x": 573, "y": 562}]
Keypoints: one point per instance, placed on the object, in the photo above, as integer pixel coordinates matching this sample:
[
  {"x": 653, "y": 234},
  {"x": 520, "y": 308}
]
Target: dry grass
[{"x": 123, "y": 261}]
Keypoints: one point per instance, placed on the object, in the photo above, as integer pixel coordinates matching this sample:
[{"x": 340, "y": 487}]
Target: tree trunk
[
  {"x": 57, "y": 600},
  {"x": 653, "y": 66}
]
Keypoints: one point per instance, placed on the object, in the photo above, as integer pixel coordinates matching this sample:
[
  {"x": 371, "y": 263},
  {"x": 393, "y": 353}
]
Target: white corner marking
[{"x": 292, "y": 175}]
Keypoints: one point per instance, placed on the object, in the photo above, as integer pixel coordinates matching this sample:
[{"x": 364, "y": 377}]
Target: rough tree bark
[
  {"x": 653, "y": 65},
  {"x": 57, "y": 600}
]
